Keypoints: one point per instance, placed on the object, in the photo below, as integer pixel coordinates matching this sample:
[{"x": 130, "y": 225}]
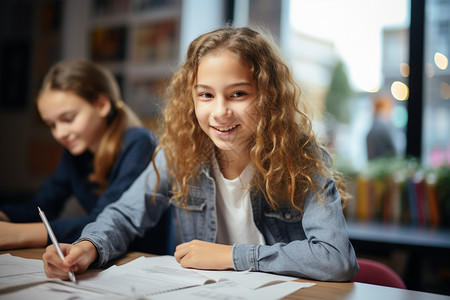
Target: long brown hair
[
  {"x": 89, "y": 80},
  {"x": 284, "y": 151}
]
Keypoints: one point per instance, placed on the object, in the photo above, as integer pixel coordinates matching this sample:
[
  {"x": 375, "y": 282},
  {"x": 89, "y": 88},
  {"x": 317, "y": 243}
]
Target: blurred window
[
  {"x": 345, "y": 53},
  {"x": 436, "y": 102}
]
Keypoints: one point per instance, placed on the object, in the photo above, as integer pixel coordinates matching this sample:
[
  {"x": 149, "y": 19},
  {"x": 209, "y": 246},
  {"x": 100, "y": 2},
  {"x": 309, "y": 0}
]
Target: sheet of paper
[
  {"x": 252, "y": 280},
  {"x": 229, "y": 290},
  {"x": 55, "y": 291},
  {"x": 164, "y": 267},
  {"x": 17, "y": 271},
  {"x": 130, "y": 283},
  {"x": 147, "y": 276},
  {"x": 141, "y": 278},
  {"x": 14, "y": 265},
  {"x": 169, "y": 265}
]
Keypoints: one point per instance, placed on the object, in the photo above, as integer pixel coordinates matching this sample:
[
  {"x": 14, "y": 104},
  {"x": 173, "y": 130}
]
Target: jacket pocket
[
  {"x": 191, "y": 215},
  {"x": 195, "y": 202},
  {"x": 288, "y": 215}
]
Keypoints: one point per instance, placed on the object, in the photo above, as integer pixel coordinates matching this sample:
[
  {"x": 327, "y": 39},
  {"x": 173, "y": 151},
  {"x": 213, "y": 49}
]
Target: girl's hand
[
  {"x": 77, "y": 259},
  {"x": 204, "y": 255}
]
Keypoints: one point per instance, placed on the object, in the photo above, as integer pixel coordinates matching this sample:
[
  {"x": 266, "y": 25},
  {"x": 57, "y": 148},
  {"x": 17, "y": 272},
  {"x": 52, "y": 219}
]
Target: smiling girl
[
  {"x": 251, "y": 187},
  {"x": 106, "y": 148}
]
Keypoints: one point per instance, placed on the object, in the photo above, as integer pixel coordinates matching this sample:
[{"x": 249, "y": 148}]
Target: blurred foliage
[
  {"x": 379, "y": 168},
  {"x": 339, "y": 95},
  {"x": 344, "y": 166},
  {"x": 383, "y": 167}
]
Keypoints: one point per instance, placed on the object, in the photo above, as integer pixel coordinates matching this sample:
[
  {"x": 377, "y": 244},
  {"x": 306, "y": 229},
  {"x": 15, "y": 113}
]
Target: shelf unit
[{"x": 138, "y": 40}]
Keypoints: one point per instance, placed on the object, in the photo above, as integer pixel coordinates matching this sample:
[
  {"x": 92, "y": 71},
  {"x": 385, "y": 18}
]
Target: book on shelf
[
  {"x": 433, "y": 206},
  {"x": 421, "y": 207},
  {"x": 387, "y": 204},
  {"x": 410, "y": 201},
  {"x": 395, "y": 201},
  {"x": 156, "y": 42},
  {"x": 362, "y": 194},
  {"x": 108, "y": 44}
]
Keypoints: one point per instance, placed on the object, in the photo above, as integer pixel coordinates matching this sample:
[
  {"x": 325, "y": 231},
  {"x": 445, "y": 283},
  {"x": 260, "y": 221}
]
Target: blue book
[{"x": 412, "y": 200}]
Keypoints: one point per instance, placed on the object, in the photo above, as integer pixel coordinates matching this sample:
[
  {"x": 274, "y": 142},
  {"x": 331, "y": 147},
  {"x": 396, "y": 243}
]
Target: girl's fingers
[
  {"x": 53, "y": 271},
  {"x": 54, "y": 266},
  {"x": 180, "y": 251}
]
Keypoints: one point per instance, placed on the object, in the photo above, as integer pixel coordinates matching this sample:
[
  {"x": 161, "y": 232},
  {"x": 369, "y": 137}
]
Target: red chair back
[{"x": 373, "y": 272}]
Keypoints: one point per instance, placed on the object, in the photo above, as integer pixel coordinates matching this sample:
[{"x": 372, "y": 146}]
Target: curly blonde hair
[{"x": 284, "y": 150}]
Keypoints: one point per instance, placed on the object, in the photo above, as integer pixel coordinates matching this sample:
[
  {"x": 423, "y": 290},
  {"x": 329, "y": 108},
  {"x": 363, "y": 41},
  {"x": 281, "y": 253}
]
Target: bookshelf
[{"x": 138, "y": 40}]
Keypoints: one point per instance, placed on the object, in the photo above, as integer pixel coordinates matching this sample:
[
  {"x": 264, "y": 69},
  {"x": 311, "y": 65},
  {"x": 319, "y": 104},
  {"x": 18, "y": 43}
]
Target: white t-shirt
[{"x": 234, "y": 211}]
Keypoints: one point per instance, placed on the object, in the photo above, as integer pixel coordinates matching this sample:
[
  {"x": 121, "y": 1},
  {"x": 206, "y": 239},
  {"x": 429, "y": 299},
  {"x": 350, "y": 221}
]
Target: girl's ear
[{"x": 103, "y": 105}]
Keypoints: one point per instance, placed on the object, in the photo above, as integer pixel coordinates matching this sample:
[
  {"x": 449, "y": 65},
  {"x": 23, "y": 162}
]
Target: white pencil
[{"x": 54, "y": 241}]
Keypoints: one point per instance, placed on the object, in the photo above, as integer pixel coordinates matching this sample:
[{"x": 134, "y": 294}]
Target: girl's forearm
[
  {"x": 3, "y": 217},
  {"x": 22, "y": 235}
]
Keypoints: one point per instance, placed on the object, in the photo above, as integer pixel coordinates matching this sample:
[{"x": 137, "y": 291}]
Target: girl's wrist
[{"x": 89, "y": 249}]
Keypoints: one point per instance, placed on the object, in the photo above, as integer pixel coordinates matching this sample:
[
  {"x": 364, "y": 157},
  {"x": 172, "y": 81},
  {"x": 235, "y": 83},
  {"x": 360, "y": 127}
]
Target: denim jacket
[{"x": 313, "y": 244}]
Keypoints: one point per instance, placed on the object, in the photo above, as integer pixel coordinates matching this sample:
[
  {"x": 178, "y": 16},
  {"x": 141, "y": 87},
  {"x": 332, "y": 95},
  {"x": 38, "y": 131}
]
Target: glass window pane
[
  {"x": 345, "y": 53},
  {"x": 436, "y": 129}
]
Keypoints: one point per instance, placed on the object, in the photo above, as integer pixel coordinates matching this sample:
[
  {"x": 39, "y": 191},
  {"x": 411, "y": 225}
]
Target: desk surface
[{"x": 321, "y": 291}]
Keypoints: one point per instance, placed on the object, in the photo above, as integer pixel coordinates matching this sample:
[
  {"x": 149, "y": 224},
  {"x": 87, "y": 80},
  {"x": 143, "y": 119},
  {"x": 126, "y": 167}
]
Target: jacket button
[{"x": 287, "y": 216}]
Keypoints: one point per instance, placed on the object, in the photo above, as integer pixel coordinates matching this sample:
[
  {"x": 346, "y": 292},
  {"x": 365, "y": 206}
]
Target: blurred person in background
[
  {"x": 106, "y": 149},
  {"x": 381, "y": 136}
]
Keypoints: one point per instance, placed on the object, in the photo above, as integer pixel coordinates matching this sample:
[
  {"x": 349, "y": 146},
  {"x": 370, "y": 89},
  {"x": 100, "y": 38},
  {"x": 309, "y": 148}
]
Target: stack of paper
[{"x": 159, "y": 277}]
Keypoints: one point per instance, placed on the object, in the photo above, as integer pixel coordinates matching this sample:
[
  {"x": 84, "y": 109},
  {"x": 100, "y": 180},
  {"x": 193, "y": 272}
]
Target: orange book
[
  {"x": 396, "y": 202},
  {"x": 362, "y": 207},
  {"x": 433, "y": 207}
]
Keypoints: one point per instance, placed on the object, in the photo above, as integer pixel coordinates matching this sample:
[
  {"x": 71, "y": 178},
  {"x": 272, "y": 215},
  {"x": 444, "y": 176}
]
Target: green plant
[
  {"x": 339, "y": 95},
  {"x": 381, "y": 168}
]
